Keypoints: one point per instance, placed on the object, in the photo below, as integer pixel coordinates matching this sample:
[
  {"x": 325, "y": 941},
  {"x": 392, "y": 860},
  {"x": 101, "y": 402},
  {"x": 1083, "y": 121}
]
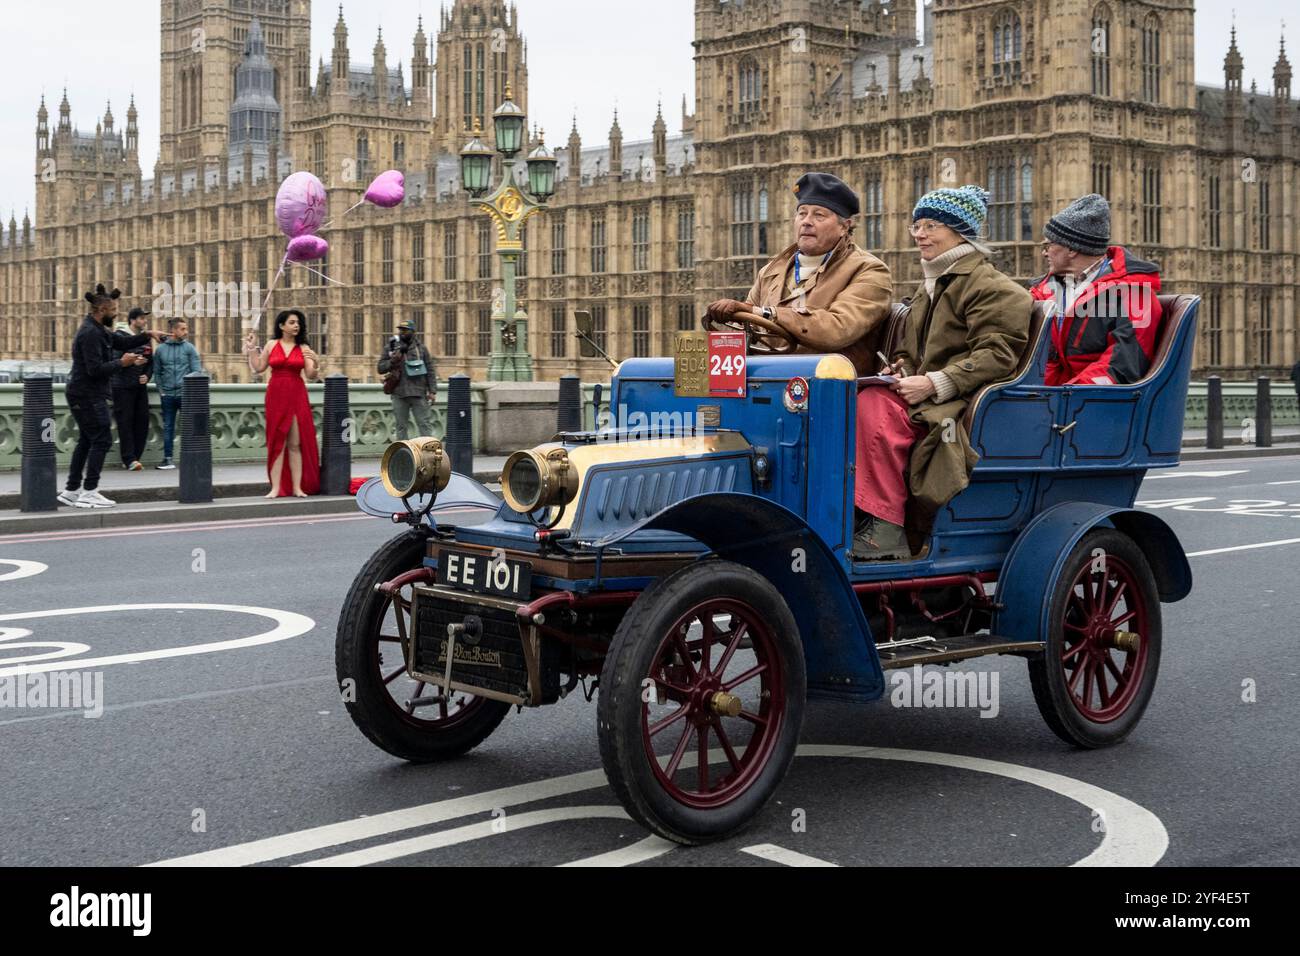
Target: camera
[{"x": 395, "y": 344}]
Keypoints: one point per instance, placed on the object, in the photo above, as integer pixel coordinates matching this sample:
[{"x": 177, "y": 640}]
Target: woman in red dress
[{"x": 290, "y": 432}]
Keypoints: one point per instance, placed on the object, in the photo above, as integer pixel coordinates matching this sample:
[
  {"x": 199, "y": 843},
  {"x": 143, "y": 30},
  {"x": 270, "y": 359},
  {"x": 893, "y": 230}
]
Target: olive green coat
[{"x": 975, "y": 331}]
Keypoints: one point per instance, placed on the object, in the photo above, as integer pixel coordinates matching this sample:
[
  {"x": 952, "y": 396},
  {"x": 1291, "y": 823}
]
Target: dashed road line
[{"x": 776, "y": 854}]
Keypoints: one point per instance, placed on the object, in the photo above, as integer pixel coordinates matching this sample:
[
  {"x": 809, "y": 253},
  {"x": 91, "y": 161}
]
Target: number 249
[{"x": 728, "y": 365}]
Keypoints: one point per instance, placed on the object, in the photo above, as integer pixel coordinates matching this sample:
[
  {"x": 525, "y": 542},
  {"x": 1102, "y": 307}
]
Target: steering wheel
[{"x": 763, "y": 336}]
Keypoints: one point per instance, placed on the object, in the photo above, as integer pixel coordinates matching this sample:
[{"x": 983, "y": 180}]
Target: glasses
[{"x": 925, "y": 227}]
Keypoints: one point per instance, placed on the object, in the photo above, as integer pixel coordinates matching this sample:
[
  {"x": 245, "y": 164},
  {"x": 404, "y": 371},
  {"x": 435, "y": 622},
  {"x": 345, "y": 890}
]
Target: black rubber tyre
[
  {"x": 1127, "y": 600},
  {"x": 644, "y": 648},
  {"x": 357, "y": 659}
]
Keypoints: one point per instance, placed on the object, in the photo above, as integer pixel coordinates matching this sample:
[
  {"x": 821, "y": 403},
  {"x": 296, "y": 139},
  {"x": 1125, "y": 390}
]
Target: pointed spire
[
  {"x": 1232, "y": 63},
  {"x": 108, "y": 117},
  {"x": 42, "y": 114},
  {"x": 1282, "y": 72},
  {"x": 131, "y": 113}
]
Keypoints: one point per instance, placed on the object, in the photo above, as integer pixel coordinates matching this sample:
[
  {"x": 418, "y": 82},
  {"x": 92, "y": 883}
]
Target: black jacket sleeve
[{"x": 90, "y": 353}]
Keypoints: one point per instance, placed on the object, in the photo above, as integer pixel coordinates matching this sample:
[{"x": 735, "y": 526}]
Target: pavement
[
  {"x": 149, "y": 497},
  {"x": 223, "y": 732}
]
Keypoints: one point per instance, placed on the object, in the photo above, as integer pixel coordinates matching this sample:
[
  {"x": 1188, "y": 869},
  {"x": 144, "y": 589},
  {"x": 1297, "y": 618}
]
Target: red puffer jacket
[{"x": 1109, "y": 335}]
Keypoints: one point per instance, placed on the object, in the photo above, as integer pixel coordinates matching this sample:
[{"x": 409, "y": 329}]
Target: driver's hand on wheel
[{"x": 725, "y": 309}]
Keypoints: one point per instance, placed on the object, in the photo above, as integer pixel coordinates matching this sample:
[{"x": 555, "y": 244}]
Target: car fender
[
  {"x": 461, "y": 494},
  {"x": 1037, "y": 558},
  {"x": 839, "y": 651}
]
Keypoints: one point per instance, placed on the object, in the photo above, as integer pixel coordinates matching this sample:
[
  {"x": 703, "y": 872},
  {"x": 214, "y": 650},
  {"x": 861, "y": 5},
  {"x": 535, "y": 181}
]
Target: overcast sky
[{"x": 583, "y": 55}]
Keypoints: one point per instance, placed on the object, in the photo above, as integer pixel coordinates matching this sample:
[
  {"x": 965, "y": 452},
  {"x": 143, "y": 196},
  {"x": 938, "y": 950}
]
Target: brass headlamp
[
  {"x": 539, "y": 478},
  {"x": 419, "y": 466}
]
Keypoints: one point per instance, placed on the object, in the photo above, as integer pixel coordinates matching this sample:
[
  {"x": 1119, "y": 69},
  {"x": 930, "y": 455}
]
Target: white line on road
[
  {"x": 1295, "y": 482},
  {"x": 647, "y": 849},
  {"x": 233, "y": 524},
  {"x": 1244, "y": 547},
  {"x": 1134, "y": 836},
  {"x": 288, "y": 624},
  {"x": 22, "y": 569},
  {"x": 770, "y": 851},
  {"x": 1197, "y": 474}
]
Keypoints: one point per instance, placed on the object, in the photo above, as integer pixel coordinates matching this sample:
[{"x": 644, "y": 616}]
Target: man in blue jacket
[
  {"x": 172, "y": 361},
  {"x": 93, "y": 367}
]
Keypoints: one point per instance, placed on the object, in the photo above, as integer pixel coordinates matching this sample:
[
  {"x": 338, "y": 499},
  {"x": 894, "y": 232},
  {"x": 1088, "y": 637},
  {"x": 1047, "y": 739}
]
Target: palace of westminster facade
[{"x": 1039, "y": 100}]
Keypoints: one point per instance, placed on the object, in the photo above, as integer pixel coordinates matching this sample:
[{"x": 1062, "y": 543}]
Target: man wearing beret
[
  {"x": 1107, "y": 311},
  {"x": 825, "y": 291}
]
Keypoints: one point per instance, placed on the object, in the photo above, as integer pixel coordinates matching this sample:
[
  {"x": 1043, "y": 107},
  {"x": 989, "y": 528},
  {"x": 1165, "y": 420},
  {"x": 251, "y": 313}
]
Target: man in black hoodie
[{"x": 93, "y": 367}]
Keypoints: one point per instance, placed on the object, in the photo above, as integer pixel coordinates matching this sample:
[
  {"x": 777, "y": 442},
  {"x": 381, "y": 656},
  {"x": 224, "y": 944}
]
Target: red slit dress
[{"x": 286, "y": 400}]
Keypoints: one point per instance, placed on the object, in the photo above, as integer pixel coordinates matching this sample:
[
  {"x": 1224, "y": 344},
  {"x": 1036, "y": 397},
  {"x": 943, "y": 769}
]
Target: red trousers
[{"x": 885, "y": 435}]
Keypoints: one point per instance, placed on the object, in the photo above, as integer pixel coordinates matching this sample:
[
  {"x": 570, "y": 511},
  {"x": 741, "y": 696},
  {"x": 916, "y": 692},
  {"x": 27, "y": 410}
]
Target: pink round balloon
[
  {"x": 307, "y": 249},
  {"x": 388, "y": 189},
  {"x": 300, "y": 205}
]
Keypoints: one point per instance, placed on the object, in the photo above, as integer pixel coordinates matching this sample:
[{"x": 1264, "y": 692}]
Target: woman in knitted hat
[{"x": 968, "y": 326}]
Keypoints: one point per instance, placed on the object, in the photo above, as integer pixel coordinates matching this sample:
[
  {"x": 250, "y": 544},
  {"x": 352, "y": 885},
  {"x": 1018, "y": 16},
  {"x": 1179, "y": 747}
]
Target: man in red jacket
[{"x": 1107, "y": 314}]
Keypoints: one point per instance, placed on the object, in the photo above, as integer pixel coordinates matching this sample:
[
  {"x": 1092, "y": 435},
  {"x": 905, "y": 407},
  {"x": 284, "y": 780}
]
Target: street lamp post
[{"x": 509, "y": 208}]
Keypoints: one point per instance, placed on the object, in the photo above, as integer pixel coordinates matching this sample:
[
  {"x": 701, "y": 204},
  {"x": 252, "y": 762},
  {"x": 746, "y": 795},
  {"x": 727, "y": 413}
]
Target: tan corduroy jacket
[{"x": 842, "y": 307}]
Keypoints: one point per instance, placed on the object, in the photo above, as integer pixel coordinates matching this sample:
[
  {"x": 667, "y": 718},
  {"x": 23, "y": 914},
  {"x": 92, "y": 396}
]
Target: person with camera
[
  {"x": 131, "y": 396},
  {"x": 93, "y": 367},
  {"x": 411, "y": 378}
]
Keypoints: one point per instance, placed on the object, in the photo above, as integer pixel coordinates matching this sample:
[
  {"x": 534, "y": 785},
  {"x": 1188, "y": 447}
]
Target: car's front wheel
[{"x": 701, "y": 701}]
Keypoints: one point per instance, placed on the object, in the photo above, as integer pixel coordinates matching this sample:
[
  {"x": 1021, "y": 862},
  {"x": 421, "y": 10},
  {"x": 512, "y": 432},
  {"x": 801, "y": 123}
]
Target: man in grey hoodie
[{"x": 173, "y": 359}]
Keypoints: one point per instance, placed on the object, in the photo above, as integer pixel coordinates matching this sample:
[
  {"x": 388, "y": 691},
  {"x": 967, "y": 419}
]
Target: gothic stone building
[{"x": 1039, "y": 100}]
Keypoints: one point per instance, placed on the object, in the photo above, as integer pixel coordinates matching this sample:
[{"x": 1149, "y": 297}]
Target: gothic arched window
[
  {"x": 399, "y": 152},
  {"x": 363, "y": 157},
  {"x": 1100, "y": 41},
  {"x": 468, "y": 75},
  {"x": 751, "y": 86},
  {"x": 1007, "y": 44},
  {"x": 1151, "y": 59},
  {"x": 318, "y": 155}
]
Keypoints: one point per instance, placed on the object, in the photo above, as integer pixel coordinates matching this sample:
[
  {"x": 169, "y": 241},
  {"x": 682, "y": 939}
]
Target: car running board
[{"x": 931, "y": 650}]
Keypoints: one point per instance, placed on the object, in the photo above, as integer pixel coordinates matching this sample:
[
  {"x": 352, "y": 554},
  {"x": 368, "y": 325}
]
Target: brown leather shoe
[{"x": 880, "y": 540}]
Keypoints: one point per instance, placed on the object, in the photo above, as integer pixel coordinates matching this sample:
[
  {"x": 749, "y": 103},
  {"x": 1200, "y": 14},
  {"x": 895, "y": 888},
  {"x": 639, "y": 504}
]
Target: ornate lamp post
[{"x": 510, "y": 207}]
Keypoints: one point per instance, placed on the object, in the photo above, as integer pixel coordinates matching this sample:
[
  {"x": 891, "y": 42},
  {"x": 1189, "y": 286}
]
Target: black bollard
[
  {"x": 459, "y": 438},
  {"x": 39, "y": 487},
  {"x": 1214, "y": 412},
  {"x": 569, "y": 418},
  {"x": 336, "y": 438},
  {"x": 1263, "y": 412},
  {"x": 595, "y": 406},
  {"x": 196, "y": 440}
]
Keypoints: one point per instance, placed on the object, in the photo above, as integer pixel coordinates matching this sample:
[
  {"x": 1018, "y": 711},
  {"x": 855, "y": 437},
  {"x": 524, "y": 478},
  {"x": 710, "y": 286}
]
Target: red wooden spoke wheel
[
  {"x": 405, "y": 717},
  {"x": 1096, "y": 676},
  {"x": 701, "y": 701}
]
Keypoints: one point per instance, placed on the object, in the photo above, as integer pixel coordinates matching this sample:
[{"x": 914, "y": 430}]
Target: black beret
[{"x": 823, "y": 189}]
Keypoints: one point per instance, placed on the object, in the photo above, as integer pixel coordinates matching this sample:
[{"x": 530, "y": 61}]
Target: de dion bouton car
[{"x": 691, "y": 565}]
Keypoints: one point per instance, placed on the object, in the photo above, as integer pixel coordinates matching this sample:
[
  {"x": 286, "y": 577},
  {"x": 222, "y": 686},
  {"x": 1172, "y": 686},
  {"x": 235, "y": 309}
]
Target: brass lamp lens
[
  {"x": 525, "y": 483},
  {"x": 401, "y": 468}
]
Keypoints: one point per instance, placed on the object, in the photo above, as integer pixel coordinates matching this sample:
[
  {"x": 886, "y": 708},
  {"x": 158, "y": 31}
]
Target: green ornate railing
[{"x": 239, "y": 426}]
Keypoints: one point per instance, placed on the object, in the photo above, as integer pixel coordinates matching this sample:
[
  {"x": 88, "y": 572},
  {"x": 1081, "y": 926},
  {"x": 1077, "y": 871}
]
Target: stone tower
[
  {"x": 203, "y": 45},
  {"x": 480, "y": 52},
  {"x": 75, "y": 169}
]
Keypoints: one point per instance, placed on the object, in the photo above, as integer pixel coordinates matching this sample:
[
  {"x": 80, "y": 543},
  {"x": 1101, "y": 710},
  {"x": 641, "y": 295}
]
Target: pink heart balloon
[
  {"x": 300, "y": 205},
  {"x": 307, "y": 249},
  {"x": 388, "y": 189}
]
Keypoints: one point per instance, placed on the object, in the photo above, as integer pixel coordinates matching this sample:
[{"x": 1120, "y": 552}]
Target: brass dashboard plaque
[{"x": 691, "y": 365}]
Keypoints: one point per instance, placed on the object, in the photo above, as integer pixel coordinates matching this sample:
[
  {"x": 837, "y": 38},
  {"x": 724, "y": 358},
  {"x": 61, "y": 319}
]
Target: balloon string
[
  {"x": 321, "y": 274},
  {"x": 267, "y": 301},
  {"x": 345, "y": 212}
]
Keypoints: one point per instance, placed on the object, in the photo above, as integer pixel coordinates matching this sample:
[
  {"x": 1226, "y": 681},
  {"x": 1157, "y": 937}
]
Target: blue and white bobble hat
[{"x": 963, "y": 209}]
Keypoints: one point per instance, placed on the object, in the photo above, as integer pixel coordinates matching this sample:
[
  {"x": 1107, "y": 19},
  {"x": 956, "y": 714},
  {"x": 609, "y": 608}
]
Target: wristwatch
[{"x": 769, "y": 313}]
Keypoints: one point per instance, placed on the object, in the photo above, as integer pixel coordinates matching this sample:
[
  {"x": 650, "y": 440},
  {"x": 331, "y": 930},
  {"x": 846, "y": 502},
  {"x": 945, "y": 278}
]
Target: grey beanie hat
[{"x": 1083, "y": 226}]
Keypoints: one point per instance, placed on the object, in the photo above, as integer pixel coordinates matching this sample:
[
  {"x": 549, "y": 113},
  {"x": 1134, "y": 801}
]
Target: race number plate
[
  {"x": 485, "y": 574},
  {"x": 726, "y": 365}
]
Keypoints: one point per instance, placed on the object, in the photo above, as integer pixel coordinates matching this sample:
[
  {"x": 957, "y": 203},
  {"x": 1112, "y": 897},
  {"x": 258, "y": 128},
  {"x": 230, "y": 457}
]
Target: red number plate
[{"x": 726, "y": 365}]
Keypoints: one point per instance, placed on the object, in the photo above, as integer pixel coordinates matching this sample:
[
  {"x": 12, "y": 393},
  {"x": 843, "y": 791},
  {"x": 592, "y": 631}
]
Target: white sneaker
[
  {"x": 93, "y": 499},
  {"x": 69, "y": 497}
]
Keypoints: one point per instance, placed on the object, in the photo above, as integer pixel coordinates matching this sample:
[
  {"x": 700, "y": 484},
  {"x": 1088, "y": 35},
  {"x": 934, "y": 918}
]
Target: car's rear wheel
[
  {"x": 408, "y": 718},
  {"x": 1096, "y": 675},
  {"x": 696, "y": 729}
]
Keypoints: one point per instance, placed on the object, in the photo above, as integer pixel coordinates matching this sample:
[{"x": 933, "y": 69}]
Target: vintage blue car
[{"x": 693, "y": 563}]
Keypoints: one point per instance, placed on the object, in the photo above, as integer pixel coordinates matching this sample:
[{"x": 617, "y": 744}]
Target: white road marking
[
  {"x": 22, "y": 569},
  {"x": 1157, "y": 503},
  {"x": 1134, "y": 835},
  {"x": 510, "y": 823},
  {"x": 1295, "y": 482},
  {"x": 229, "y": 525},
  {"x": 770, "y": 851},
  {"x": 1197, "y": 474},
  {"x": 288, "y": 624},
  {"x": 639, "y": 852},
  {"x": 1244, "y": 547}
]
